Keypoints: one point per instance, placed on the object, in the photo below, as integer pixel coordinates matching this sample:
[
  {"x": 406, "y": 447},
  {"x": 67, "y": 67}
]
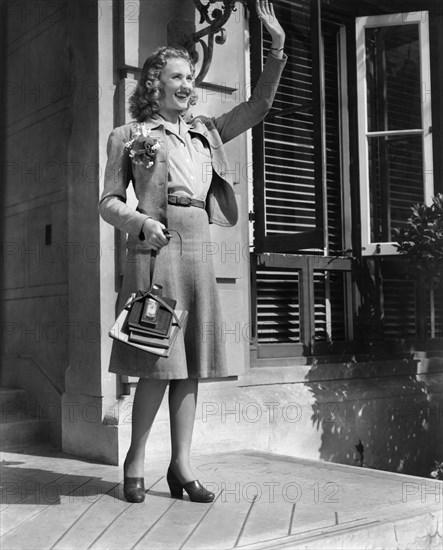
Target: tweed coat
[{"x": 151, "y": 185}]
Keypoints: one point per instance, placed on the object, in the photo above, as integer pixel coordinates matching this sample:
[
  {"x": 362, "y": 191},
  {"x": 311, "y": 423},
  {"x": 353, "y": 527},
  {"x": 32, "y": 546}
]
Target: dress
[{"x": 185, "y": 273}]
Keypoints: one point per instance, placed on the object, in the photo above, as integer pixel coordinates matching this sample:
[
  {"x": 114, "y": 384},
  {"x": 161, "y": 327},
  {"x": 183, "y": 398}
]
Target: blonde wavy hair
[{"x": 145, "y": 100}]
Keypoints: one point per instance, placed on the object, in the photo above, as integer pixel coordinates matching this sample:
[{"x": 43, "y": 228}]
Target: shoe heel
[
  {"x": 195, "y": 490},
  {"x": 176, "y": 492},
  {"x": 175, "y": 487},
  {"x": 133, "y": 487}
]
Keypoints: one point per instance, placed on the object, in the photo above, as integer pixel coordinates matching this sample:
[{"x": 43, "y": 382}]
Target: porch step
[{"x": 20, "y": 424}]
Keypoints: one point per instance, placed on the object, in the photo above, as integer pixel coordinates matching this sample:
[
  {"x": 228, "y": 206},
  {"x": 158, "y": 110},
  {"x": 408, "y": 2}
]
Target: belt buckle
[{"x": 184, "y": 201}]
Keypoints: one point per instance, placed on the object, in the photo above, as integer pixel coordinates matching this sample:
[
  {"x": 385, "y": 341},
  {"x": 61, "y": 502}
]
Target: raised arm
[
  {"x": 251, "y": 112},
  {"x": 266, "y": 14}
]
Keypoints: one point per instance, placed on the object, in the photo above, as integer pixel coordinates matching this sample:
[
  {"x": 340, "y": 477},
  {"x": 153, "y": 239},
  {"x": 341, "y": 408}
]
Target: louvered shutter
[
  {"x": 278, "y": 300},
  {"x": 399, "y": 308},
  {"x": 435, "y": 314},
  {"x": 334, "y": 234},
  {"x": 330, "y": 310},
  {"x": 288, "y": 193}
]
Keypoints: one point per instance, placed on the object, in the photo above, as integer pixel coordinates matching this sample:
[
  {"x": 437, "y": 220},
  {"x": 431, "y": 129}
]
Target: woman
[{"x": 174, "y": 192}]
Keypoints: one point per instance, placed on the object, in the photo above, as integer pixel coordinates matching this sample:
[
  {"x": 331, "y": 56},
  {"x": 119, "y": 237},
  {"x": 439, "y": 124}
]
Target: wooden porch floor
[{"x": 52, "y": 500}]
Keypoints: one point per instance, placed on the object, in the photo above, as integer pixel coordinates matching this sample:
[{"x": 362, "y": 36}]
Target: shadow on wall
[{"x": 396, "y": 417}]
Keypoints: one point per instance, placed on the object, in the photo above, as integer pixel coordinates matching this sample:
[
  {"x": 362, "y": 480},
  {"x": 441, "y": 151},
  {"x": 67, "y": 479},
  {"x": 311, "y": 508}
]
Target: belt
[{"x": 185, "y": 201}]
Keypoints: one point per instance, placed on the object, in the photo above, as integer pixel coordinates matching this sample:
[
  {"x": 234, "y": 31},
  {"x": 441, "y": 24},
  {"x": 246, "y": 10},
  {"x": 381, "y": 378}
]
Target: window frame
[{"x": 422, "y": 19}]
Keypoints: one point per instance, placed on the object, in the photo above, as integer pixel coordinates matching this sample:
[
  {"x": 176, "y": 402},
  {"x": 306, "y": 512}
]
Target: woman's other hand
[
  {"x": 153, "y": 231},
  {"x": 266, "y": 14}
]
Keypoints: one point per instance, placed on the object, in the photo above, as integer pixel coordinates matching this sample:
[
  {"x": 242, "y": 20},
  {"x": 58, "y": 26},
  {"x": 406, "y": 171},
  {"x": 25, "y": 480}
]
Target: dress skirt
[{"x": 186, "y": 273}]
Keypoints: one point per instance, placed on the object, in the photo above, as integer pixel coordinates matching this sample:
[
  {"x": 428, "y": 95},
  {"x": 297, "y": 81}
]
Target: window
[{"x": 394, "y": 112}]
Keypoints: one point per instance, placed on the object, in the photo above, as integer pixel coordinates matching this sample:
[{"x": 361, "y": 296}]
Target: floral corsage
[{"x": 142, "y": 147}]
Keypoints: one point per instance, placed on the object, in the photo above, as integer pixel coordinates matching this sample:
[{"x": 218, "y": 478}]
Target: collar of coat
[{"x": 193, "y": 124}]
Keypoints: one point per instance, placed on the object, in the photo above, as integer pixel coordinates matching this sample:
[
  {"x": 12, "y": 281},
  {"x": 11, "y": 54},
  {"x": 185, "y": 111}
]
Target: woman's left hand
[{"x": 265, "y": 12}]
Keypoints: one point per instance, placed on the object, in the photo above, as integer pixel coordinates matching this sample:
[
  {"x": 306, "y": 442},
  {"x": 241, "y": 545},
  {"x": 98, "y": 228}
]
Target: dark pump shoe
[
  {"x": 195, "y": 490},
  {"x": 134, "y": 489}
]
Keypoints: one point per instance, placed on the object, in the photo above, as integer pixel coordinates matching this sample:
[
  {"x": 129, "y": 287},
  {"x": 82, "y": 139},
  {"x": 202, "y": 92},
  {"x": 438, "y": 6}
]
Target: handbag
[{"x": 149, "y": 321}]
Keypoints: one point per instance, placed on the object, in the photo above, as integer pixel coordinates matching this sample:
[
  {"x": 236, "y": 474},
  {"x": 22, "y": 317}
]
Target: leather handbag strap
[
  {"x": 152, "y": 265},
  {"x": 147, "y": 294},
  {"x": 154, "y": 252}
]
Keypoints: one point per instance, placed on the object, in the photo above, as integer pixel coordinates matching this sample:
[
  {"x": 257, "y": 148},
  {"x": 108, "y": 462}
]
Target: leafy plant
[
  {"x": 437, "y": 472},
  {"x": 421, "y": 241}
]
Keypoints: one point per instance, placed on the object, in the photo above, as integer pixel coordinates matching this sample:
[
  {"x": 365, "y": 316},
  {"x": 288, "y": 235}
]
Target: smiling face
[{"x": 177, "y": 86}]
